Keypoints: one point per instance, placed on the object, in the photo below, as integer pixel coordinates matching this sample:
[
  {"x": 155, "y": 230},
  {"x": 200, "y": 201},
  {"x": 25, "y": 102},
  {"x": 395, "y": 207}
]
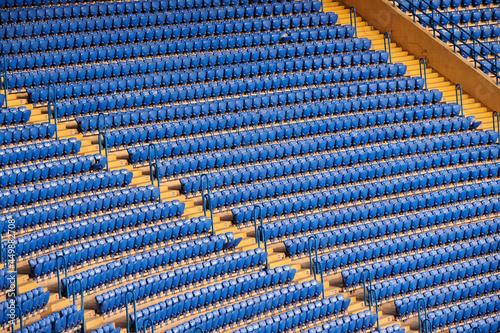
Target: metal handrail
[
  {"x": 366, "y": 270},
  {"x": 311, "y": 265},
  {"x": 5, "y": 83},
  {"x": 423, "y": 71},
  {"x": 145, "y": 325},
  {"x": 387, "y": 45},
  {"x": 53, "y": 104},
  {"x": 352, "y": 15},
  {"x": 497, "y": 128},
  {"x": 255, "y": 207},
  {"x": 419, "y": 301},
  {"x": 318, "y": 267},
  {"x": 373, "y": 297},
  {"x": 126, "y": 310},
  {"x": 101, "y": 132},
  {"x": 208, "y": 200},
  {"x": 204, "y": 177},
  {"x": 157, "y": 174},
  {"x": 458, "y": 88},
  {"x": 60, "y": 256},
  {"x": 263, "y": 238},
  {"x": 453, "y": 39},
  {"x": 82, "y": 303}
]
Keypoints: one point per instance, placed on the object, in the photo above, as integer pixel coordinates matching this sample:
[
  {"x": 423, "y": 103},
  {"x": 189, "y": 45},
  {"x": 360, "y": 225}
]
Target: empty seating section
[
  {"x": 391, "y": 329},
  {"x": 65, "y": 320},
  {"x": 157, "y": 284},
  {"x": 395, "y": 245},
  {"x": 466, "y": 310},
  {"x": 306, "y": 314},
  {"x": 450, "y": 294},
  {"x": 283, "y": 108},
  {"x": 265, "y": 302},
  {"x": 56, "y": 189},
  {"x": 116, "y": 221},
  {"x": 47, "y": 150},
  {"x": 108, "y": 328},
  {"x": 13, "y": 116},
  {"x": 479, "y": 19},
  {"x": 111, "y": 245},
  {"x": 31, "y": 301},
  {"x": 217, "y": 293},
  {"x": 51, "y": 170},
  {"x": 488, "y": 324},
  {"x": 4, "y": 279},
  {"x": 103, "y": 9},
  {"x": 253, "y": 173},
  {"x": 355, "y": 322}
]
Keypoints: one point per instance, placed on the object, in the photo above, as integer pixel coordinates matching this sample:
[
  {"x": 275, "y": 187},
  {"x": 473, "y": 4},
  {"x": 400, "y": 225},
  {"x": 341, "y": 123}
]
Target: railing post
[
  {"x": 424, "y": 307},
  {"x": 156, "y": 173},
  {"x": 204, "y": 177},
  {"x": 423, "y": 71},
  {"x": 103, "y": 132},
  {"x": 65, "y": 275},
  {"x": 497, "y": 127},
  {"x": 259, "y": 207},
  {"x": 82, "y": 303},
  {"x": 145, "y": 325},
  {"x": 207, "y": 199},
  {"x": 309, "y": 247},
  {"x": 352, "y": 13},
  {"x": 373, "y": 297},
  {"x": 458, "y": 88},
  {"x": 427, "y": 326},
  {"x": 126, "y": 310},
  {"x": 433, "y": 24},
  {"x": 5, "y": 82},
  {"x": 53, "y": 106},
  {"x": 13, "y": 330},
  {"x": 366, "y": 270},
  {"x": 318, "y": 266},
  {"x": 263, "y": 238},
  {"x": 387, "y": 45}
]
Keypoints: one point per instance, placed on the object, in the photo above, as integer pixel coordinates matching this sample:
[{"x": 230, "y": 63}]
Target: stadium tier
[{"x": 250, "y": 166}]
